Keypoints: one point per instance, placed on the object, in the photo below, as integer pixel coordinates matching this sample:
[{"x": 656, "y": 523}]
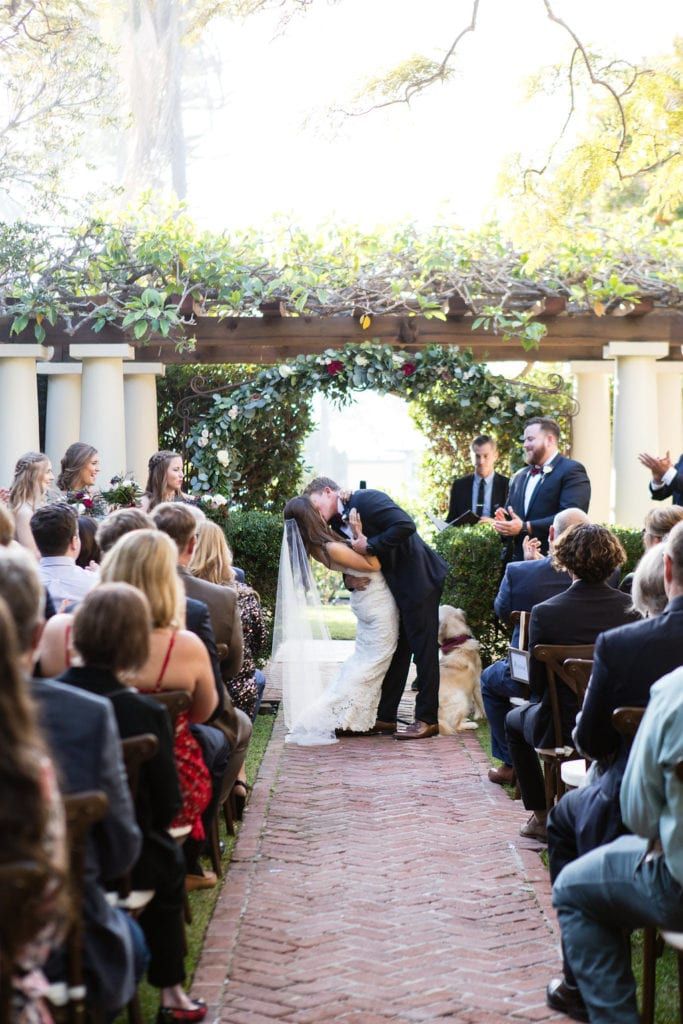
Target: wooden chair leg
[
  {"x": 134, "y": 1011},
  {"x": 649, "y": 974},
  {"x": 187, "y": 910},
  {"x": 214, "y": 846},
  {"x": 549, "y": 783},
  {"x": 228, "y": 817}
]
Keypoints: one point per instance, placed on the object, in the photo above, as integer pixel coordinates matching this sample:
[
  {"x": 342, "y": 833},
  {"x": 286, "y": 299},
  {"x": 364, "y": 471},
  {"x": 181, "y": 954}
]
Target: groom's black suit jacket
[
  {"x": 565, "y": 486},
  {"x": 412, "y": 570}
]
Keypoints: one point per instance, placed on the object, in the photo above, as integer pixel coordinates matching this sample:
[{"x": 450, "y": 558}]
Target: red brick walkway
[{"x": 376, "y": 881}]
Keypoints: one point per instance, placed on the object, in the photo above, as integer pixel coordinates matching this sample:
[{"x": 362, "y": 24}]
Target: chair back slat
[
  {"x": 137, "y": 750},
  {"x": 175, "y": 702},
  {"x": 82, "y": 811},
  {"x": 678, "y": 769},
  {"x": 627, "y": 720},
  {"x": 579, "y": 669},
  {"x": 553, "y": 656}
]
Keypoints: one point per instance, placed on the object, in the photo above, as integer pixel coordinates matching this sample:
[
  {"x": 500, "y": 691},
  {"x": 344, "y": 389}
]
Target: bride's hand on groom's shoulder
[{"x": 345, "y": 496}]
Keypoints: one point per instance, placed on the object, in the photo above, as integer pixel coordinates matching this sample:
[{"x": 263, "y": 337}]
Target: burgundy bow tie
[{"x": 535, "y": 470}]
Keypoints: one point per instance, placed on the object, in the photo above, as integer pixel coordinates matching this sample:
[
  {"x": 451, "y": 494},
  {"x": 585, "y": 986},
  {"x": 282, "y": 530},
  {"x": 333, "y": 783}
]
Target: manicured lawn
[
  {"x": 666, "y": 1008},
  {"x": 203, "y": 902}
]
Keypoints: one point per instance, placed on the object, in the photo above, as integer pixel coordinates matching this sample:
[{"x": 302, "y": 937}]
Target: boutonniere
[{"x": 547, "y": 469}]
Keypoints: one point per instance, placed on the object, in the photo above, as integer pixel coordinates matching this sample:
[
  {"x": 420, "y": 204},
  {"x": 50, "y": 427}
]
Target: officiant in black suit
[
  {"x": 483, "y": 491},
  {"x": 415, "y": 576},
  {"x": 549, "y": 483}
]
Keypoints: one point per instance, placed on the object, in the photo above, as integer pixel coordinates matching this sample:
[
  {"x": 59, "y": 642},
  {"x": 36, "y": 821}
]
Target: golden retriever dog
[{"x": 459, "y": 673}]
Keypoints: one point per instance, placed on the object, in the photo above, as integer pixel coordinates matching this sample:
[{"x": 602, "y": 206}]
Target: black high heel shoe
[{"x": 179, "y": 1015}]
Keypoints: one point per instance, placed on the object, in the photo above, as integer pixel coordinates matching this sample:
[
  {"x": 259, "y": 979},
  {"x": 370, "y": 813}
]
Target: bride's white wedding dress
[{"x": 350, "y": 700}]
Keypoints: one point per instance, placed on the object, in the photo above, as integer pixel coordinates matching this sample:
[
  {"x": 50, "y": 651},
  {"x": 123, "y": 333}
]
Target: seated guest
[
  {"x": 590, "y": 554},
  {"x": 111, "y": 635},
  {"x": 648, "y": 592},
  {"x": 33, "y": 832},
  {"x": 32, "y": 478},
  {"x": 181, "y": 526},
  {"x": 667, "y": 479},
  {"x": 483, "y": 491},
  {"x": 622, "y": 885},
  {"x": 524, "y": 585},
  {"x": 83, "y": 740},
  {"x": 212, "y": 561},
  {"x": 164, "y": 480},
  {"x": 177, "y": 661},
  {"x": 55, "y": 531},
  {"x": 180, "y": 523},
  {"x": 89, "y": 556},
  {"x": 626, "y": 663},
  {"x": 658, "y": 524},
  {"x": 7, "y": 527},
  {"x": 122, "y": 520}
]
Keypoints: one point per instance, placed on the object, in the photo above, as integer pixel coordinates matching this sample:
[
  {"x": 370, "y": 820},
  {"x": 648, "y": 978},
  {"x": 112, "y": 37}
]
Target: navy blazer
[
  {"x": 412, "y": 570},
  {"x": 565, "y": 486},
  {"x": 198, "y": 621},
  {"x": 83, "y": 739},
  {"x": 526, "y": 584},
  {"x": 576, "y": 616},
  {"x": 626, "y": 663},
  {"x": 673, "y": 490},
  {"x": 461, "y": 495}
]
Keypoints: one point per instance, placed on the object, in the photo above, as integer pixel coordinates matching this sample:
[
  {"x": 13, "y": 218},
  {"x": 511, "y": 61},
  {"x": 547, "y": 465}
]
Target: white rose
[
  {"x": 219, "y": 501},
  {"x": 233, "y": 412},
  {"x": 202, "y": 442},
  {"x": 205, "y": 432},
  {"x": 397, "y": 360},
  {"x": 223, "y": 457},
  {"x": 520, "y": 408},
  {"x": 547, "y": 469},
  {"x": 361, "y": 361},
  {"x": 285, "y": 371},
  {"x": 80, "y": 508},
  {"x": 493, "y": 402}
]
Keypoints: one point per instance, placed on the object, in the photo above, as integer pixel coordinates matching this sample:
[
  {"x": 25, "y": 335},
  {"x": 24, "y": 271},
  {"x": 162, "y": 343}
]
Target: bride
[{"x": 312, "y": 711}]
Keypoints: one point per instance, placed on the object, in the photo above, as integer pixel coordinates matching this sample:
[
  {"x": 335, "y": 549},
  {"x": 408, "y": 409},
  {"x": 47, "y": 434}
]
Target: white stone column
[
  {"x": 103, "y": 422},
  {"x": 142, "y": 427},
  {"x": 670, "y": 403},
  {"x": 63, "y": 410},
  {"x": 592, "y": 431},
  {"x": 19, "y": 428},
  {"x": 635, "y": 424}
]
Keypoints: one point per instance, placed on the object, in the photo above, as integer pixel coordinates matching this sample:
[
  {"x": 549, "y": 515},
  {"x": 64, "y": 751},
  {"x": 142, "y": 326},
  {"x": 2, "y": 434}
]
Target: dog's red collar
[{"x": 453, "y": 642}]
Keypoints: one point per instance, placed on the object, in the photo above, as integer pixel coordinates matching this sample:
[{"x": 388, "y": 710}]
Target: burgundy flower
[
  {"x": 88, "y": 502},
  {"x": 334, "y": 367},
  {"x": 408, "y": 369}
]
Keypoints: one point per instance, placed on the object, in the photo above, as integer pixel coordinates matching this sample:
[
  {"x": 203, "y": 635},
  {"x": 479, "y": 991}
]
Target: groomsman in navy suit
[
  {"x": 484, "y": 490},
  {"x": 549, "y": 483},
  {"x": 667, "y": 479}
]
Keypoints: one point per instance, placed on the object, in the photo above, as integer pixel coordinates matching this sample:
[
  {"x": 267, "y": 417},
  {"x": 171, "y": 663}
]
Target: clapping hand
[
  {"x": 508, "y": 527},
  {"x": 657, "y": 466},
  {"x": 531, "y": 546}
]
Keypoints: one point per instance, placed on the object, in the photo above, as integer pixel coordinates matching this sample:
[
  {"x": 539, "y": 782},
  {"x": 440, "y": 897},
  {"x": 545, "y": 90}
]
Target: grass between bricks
[
  {"x": 202, "y": 902},
  {"x": 666, "y": 1008}
]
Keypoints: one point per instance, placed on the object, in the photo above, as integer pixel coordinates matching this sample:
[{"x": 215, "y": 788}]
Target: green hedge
[{"x": 473, "y": 554}]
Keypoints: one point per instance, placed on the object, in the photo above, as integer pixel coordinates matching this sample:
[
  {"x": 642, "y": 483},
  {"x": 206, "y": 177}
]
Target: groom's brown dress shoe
[
  {"x": 417, "y": 731},
  {"x": 567, "y": 999},
  {"x": 378, "y": 729}
]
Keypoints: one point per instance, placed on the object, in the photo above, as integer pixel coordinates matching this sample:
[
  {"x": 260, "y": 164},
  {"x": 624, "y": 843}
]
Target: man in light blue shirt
[
  {"x": 636, "y": 880},
  {"x": 55, "y": 531}
]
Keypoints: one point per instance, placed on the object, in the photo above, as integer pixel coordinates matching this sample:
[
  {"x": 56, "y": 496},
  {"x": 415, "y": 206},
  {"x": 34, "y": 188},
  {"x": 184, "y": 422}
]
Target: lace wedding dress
[{"x": 314, "y": 708}]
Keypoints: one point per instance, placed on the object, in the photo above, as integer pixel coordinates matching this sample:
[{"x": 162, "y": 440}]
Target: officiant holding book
[{"x": 482, "y": 492}]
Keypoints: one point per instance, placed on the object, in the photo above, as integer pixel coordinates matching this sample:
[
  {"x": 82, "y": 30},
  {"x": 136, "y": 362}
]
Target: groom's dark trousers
[{"x": 415, "y": 576}]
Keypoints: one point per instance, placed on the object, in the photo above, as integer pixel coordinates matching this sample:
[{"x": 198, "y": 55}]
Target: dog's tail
[{"x": 478, "y": 701}]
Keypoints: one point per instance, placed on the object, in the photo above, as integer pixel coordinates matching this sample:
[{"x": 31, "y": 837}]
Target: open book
[{"x": 468, "y": 518}]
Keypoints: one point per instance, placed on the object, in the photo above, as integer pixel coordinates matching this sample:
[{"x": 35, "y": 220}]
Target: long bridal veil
[{"x": 301, "y": 640}]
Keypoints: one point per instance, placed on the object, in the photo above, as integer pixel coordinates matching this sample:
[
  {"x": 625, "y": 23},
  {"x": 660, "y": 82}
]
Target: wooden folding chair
[
  {"x": 82, "y": 811},
  {"x": 175, "y": 702},
  {"x": 627, "y": 720},
  {"x": 519, "y": 656},
  {"x": 553, "y": 657}
]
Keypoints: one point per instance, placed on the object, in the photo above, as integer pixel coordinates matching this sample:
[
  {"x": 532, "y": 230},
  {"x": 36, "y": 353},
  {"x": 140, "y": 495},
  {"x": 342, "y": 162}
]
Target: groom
[{"x": 415, "y": 575}]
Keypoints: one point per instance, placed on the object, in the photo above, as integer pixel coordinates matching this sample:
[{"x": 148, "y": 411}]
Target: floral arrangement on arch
[{"x": 213, "y": 443}]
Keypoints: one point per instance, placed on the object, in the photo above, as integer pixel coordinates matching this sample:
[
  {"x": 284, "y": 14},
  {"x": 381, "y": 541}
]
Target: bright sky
[{"x": 270, "y": 146}]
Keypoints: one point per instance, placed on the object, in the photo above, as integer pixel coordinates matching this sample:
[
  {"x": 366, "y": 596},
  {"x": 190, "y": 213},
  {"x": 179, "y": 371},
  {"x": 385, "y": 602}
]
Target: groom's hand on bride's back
[{"x": 356, "y": 582}]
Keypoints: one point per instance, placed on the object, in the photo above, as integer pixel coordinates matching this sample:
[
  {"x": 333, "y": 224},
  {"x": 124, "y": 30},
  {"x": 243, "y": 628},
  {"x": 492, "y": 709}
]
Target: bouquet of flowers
[
  {"x": 87, "y": 504},
  {"x": 123, "y": 492}
]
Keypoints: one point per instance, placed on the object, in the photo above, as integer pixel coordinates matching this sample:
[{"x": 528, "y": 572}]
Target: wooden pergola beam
[{"x": 275, "y": 338}]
